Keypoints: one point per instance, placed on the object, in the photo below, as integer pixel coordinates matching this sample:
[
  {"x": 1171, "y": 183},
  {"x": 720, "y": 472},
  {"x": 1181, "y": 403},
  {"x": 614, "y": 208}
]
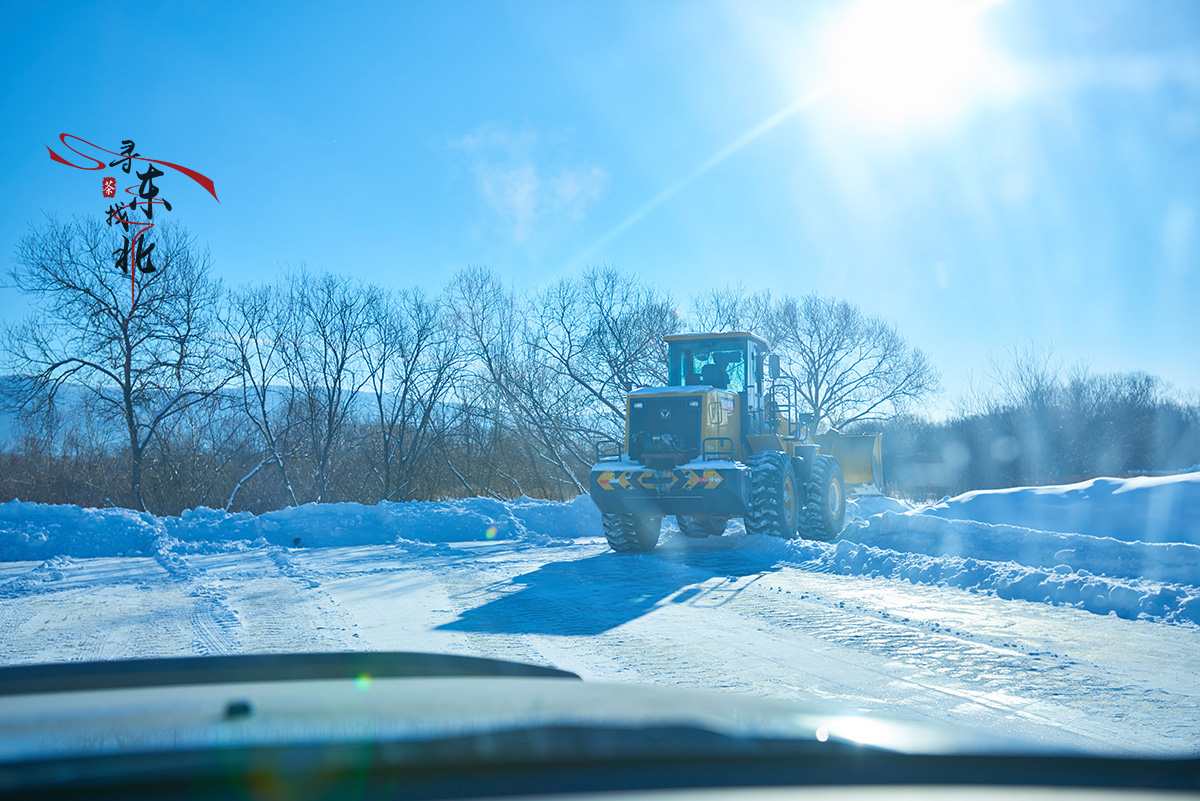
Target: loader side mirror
[
  {"x": 628, "y": 386},
  {"x": 773, "y": 365}
]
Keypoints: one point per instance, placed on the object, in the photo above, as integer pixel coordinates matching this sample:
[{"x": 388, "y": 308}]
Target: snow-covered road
[{"x": 737, "y": 613}]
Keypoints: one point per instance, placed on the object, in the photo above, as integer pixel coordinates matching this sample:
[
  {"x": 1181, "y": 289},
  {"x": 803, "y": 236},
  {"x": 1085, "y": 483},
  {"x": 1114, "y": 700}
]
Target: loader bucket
[{"x": 860, "y": 455}]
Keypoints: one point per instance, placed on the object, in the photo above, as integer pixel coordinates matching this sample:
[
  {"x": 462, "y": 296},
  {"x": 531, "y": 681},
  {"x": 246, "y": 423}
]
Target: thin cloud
[{"x": 526, "y": 179}]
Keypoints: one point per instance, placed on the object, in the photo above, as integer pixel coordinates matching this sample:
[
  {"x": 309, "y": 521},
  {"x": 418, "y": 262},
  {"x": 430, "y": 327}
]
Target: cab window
[{"x": 721, "y": 367}]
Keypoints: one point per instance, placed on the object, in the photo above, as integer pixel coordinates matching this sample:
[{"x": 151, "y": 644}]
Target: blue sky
[{"x": 1051, "y": 194}]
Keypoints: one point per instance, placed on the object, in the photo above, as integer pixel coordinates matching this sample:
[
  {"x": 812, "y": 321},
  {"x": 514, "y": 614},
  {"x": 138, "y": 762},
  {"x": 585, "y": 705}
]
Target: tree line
[
  {"x": 1036, "y": 421},
  {"x": 318, "y": 387}
]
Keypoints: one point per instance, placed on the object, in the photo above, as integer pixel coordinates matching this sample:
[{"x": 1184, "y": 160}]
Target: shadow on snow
[{"x": 598, "y": 593}]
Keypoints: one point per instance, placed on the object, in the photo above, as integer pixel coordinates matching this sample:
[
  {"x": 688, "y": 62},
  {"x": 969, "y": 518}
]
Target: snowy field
[{"x": 1067, "y": 615}]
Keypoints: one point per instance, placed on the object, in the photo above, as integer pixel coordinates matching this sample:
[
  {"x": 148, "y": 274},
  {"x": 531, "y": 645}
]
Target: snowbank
[
  {"x": 1144, "y": 509},
  {"x": 935, "y": 536},
  {"x": 1127, "y": 546},
  {"x": 870, "y": 505},
  {"x": 1127, "y": 598},
  {"x": 36, "y": 532},
  {"x": 346, "y": 524}
]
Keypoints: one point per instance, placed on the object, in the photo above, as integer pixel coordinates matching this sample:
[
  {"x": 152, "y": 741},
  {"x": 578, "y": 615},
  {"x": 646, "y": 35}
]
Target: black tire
[
  {"x": 631, "y": 533},
  {"x": 699, "y": 526},
  {"x": 825, "y": 507},
  {"x": 775, "y": 501}
]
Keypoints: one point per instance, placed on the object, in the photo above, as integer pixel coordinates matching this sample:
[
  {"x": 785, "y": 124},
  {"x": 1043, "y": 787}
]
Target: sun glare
[{"x": 902, "y": 58}]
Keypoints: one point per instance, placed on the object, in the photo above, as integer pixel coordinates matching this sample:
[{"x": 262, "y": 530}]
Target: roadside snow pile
[
  {"x": 37, "y": 532},
  {"x": 1175, "y": 562},
  {"x": 1060, "y": 585},
  {"x": 1140, "y": 555},
  {"x": 1144, "y": 509},
  {"x": 349, "y": 524}
]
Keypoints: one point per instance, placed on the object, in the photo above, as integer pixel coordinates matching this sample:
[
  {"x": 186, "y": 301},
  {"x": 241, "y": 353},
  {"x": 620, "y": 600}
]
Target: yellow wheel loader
[{"x": 725, "y": 440}]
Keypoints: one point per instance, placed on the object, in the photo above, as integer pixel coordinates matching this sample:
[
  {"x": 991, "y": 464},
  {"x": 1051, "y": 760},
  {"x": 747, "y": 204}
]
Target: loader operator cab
[
  {"x": 729, "y": 361},
  {"x": 725, "y": 361}
]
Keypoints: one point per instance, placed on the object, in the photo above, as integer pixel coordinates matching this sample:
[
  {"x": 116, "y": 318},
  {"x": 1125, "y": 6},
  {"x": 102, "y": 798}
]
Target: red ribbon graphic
[{"x": 203, "y": 180}]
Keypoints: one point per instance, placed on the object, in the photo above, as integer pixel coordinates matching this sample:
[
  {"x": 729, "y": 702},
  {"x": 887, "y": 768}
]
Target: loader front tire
[
  {"x": 775, "y": 500},
  {"x": 699, "y": 526},
  {"x": 631, "y": 533},
  {"x": 825, "y": 509}
]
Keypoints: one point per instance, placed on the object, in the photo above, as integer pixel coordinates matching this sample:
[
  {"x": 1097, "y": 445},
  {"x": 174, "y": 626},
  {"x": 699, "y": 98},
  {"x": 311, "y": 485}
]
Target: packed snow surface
[{"x": 1065, "y": 614}]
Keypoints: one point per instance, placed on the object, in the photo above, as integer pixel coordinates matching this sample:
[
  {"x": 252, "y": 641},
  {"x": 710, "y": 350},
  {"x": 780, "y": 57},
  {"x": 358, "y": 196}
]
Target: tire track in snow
[
  {"x": 214, "y": 625},
  {"x": 15, "y": 612},
  {"x": 290, "y": 610},
  {"x": 1020, "y": 678},
  {"x": 232, "y": 612},
  {"x": 987, "y": 668},
  {"x": 287, "y": 566}
]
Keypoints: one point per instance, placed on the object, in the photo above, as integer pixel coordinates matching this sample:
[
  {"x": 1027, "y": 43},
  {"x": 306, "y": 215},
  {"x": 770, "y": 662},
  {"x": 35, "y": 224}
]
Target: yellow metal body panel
[
  {"x": 721, "y": 417},
  {"x": 767, "y": 442}
]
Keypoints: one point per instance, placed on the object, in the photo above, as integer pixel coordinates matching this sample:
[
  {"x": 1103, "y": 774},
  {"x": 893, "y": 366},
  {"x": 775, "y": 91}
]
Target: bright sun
[{"x": 903, "y": 58}]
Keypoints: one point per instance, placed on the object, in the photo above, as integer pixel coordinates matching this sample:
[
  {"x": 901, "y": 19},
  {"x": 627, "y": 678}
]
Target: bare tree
[
  {"x": 733, "y": 308},
  {"x": 189, "y": 465},
  {"x": 850, "y": 366},
  {"x": 626, "y": 321},
  {"x": 535, "y": 400},
  {"x": 602, "y": 334},
  {"x": 142, "y": 361},
  {"x": 1030, "y": 377},
  {"x": 410, "y": 358},
  {"x": 323, "y": 349},
  {"x": 257, "y": 322}
]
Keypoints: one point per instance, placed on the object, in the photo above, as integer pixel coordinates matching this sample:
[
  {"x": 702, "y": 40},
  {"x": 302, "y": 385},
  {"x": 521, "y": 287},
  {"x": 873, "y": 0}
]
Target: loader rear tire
[
  {"x": 825, "y": 510},
  {"x": 700, "y": 526},
  {"x": 631, "y": 533},
  {"x": 775, "y": 500}
]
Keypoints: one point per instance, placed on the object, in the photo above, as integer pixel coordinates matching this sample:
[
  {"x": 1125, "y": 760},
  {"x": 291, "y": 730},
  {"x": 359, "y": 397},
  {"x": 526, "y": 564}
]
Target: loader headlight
[
  {"x": 695, "y": 404},
  {"x": 638, "y": 405}
]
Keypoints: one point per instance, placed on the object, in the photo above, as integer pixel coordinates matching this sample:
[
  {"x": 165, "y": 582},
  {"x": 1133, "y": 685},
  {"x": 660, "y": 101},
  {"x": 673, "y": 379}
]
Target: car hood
[{"x": 247, "y": 702}]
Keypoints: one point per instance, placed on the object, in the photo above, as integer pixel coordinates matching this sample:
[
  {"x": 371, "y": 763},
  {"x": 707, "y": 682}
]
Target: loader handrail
[
  {"x": 611, "y": 456},
  {"x": 780, "y": 404},
  {"x": 721, "y": 448}
]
